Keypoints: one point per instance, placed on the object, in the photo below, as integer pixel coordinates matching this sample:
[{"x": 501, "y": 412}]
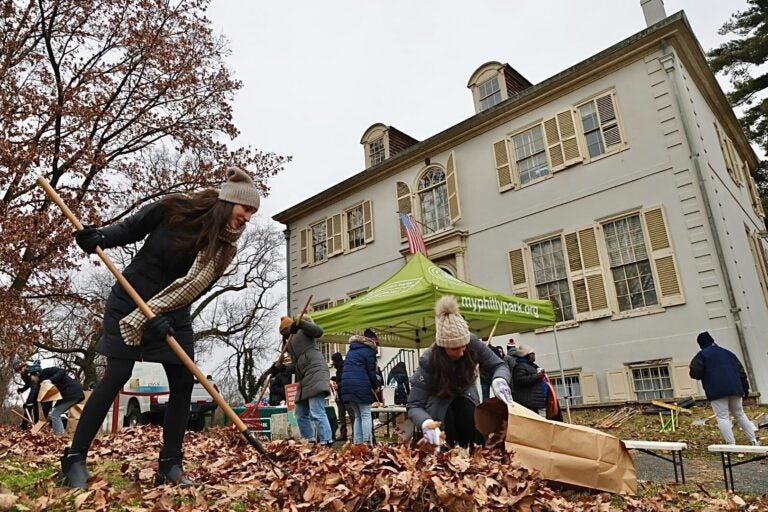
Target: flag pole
[{"x": 562, "y": 375}]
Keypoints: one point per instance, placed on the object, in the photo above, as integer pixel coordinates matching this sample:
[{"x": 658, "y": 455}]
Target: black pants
[
  {"x": 459, "y": 424},
  {"x": 342, "y": 418},
  {"x": 118, "y": 372}
]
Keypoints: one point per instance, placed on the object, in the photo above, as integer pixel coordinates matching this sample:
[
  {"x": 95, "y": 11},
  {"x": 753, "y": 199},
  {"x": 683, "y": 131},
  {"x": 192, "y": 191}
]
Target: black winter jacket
[
  {"x": 69, "y": 388},
  {"x": 720, "y": 372},
  {"x": 528, "y": 390},
  {"x": 157, "y": 264}
]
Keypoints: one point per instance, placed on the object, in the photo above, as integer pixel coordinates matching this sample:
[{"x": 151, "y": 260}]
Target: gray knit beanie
[
  {"x": 239, "y": 188},
  {"x": 451, "y": 330}
]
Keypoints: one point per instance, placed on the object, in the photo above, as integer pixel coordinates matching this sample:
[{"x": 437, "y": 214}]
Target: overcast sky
[{"x": 317, "y": 74}]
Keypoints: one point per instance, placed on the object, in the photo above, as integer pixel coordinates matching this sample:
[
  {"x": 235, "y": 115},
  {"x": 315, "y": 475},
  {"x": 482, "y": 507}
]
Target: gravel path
[{"x": 749, "y": 478}]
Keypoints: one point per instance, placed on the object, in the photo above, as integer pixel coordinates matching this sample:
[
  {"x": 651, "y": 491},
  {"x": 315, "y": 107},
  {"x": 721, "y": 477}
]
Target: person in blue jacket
[
  {"x": 725, "y": 383},
  {"x": 359, "y": 384}
]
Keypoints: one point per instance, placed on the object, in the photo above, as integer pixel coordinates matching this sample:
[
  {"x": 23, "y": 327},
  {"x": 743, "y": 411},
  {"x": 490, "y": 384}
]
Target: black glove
[
  {"x": 294, "y": 328},
  {"x": 158, "y": 327},
  {"x": 20, "y": 390},
  {"x": 89, "y": 238}
]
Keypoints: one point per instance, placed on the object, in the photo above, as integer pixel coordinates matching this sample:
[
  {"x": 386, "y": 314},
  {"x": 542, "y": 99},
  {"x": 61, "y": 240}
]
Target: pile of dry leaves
[{"x": 386, "y": 477}]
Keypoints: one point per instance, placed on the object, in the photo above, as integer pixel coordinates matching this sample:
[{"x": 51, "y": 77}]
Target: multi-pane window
[
  {"x": 568, "y": 388},
  {"x": 600, "y": 125},
  {"x": 630, "y": 266},
  {"x": 489, "y": 93},
  {"x": 551, "y": 277},
  {"x": 355, "y": 232},
  {"x": 433, "y": 199},
  {"x": 530, "y": 155},
  {"x": 652, "y": 382},
  {"x": 319, "y": 242},
  {"x": 376, "y": 151}
]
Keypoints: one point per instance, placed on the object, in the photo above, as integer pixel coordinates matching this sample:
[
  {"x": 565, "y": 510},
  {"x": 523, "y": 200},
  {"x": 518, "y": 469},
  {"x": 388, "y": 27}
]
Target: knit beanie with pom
[
  {"x": 451, "y": 330},
  {"x": 239, "y": 189}
]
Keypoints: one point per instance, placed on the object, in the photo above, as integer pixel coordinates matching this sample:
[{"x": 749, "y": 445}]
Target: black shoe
[
  {"x": 73, "y": 471},
  {"x": 342, "y": 439},
  {"x": 171, "y": 472}
]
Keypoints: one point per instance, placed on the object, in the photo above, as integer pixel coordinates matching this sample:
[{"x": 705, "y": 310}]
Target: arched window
[{"x": 433, "y": 199}]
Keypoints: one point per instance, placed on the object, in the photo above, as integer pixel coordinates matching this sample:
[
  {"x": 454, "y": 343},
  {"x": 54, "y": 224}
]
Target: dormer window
[
  {"x": 376, "y": 153},
  {"x": 494, "y": 82},
  {"x": 490, "y": 94}
]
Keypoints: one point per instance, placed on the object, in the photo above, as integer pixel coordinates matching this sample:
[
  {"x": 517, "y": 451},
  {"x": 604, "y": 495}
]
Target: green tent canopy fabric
[{"x": 402, "y": 309}]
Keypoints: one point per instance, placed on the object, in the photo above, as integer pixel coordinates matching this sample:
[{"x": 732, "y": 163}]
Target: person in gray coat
[
  {"x": 443, "y": 386},
  {"x": 313, "y": 376}
]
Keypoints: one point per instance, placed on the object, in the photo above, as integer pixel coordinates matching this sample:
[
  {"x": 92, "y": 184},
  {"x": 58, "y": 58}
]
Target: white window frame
[
  {"x": 311, "y": 249},
  {"x": 561, "y": 396},
  {"x": 661, "y": 393},
  {"x": 587, "y": 158},
  {"x": 427, "y": 230},
  {"x": 347, "y": 228},
  {"x": 515, "y": 158},
  {"x": 483, "y": 98},
  {"x": 528, "y": 254},
  {"x": 376, "y": 151}
]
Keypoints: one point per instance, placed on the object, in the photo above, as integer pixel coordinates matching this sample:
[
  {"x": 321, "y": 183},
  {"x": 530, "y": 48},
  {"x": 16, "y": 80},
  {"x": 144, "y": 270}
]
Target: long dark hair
[
  {"x": 449, "y": 377},
  {"x": 203, "y": 217}
]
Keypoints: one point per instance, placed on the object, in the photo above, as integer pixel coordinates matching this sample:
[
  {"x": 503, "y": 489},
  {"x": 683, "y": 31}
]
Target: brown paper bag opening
[{"x": 568, "y": 454}]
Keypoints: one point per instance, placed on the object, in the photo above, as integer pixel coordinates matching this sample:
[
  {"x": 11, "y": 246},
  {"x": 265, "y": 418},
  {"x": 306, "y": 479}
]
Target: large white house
[{"x": 620, "y": 189}]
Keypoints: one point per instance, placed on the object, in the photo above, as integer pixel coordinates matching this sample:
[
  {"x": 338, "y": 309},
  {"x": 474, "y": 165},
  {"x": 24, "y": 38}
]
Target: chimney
[{"x": 653, "y": 10}]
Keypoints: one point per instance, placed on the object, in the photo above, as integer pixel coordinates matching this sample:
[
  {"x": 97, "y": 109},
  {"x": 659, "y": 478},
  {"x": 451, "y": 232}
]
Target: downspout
[
  {"x": 668, "y": 62},
  {"x": 287, "y": 235}
]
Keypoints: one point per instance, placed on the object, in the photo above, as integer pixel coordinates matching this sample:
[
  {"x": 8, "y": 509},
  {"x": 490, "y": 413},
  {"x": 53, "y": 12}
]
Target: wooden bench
[
  {"x": 725, "y": 451},
  {"x": 651, "y": 447}
]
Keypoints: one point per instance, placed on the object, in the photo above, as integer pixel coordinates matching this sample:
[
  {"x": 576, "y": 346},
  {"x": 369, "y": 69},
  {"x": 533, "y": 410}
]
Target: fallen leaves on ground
[{"x": 352, "y": 478}]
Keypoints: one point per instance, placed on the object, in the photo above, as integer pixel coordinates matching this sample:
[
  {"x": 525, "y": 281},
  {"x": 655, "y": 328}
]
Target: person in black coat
[
  {"x": 398, "y": 379},
  {"x": 26, "y": 371},
  {"x": 189, "y": 241},
  {"x": 71, "y": 394},
  {"x": 725, "y": 383},
  {"x": 529, "y": 388},
  {"x": 338, "y": 364}
]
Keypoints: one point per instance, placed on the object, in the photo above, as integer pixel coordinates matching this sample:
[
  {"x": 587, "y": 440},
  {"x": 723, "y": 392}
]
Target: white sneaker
[
  {"x": 376, "y": 422},
  {"x": 755, "y": 442}
]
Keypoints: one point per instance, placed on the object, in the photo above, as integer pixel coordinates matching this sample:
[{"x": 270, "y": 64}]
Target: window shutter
[
  {"x": 589, "y": 391},
  {"x": 453, "y": 189},
  {"x": 663, "y": 259},
  {"x": 562, "y": 142},
  {"x": 503, "y": 167},
  {"x": 684, "y": 384},
  {"x": 761, "y": 265},
  {"x": 586, "y": 273},
  {"x": 609, "y": 121},
  {"x": 368, "y": 221},
  {"x": 337, "y": 234},
  {"x": 754, "y": 195},
  {"x": 331, "y": 246},
  {"x": 404, "y": 205},
  {"x": 722, "y": 138},
  {"x": 518, "y": 273},
  {"x": 618, "y": 387},
  {"x": 304, "y": 244},
  {"x": 735, "y": 162}
]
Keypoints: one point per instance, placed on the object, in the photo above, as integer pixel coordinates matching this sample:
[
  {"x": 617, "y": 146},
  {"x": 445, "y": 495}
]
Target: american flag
[{"x": 415, "y": 240}]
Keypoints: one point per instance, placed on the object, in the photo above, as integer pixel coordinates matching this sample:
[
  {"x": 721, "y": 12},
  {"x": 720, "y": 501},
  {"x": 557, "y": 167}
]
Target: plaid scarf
[{"x": 180, "y": 293}]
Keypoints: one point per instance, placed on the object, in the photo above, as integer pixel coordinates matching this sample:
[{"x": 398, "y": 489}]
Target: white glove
[
  {"x": 432, "y": 435},
  {"x": 502, "y": 391}
]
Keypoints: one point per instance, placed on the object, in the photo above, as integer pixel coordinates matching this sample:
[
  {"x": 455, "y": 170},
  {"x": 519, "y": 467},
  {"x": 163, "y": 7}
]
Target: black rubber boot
[
  {"x": 73, "y": 471},
  {"x": 170, "y": 471}
]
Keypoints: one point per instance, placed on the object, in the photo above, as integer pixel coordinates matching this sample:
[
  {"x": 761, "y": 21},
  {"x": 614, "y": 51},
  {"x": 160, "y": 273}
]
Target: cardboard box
[{"x": 570, "y": 454}]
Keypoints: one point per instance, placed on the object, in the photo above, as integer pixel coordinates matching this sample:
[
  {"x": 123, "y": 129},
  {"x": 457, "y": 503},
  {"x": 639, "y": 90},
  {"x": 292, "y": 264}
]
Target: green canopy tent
[{"x": 402, "y": 309}]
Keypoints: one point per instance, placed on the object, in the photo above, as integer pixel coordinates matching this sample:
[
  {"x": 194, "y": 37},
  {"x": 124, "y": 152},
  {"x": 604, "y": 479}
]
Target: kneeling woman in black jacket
[
  {"x": 190, "y": 241},
  {"x": 443, "y": 386}
]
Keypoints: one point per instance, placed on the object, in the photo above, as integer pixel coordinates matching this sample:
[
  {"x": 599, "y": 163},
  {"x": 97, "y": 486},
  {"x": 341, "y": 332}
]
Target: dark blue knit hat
[{"x": 704, "y": 339}]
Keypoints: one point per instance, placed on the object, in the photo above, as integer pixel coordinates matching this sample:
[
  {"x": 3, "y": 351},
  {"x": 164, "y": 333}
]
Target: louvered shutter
[
  {"x": 518, "y": 273},
  {"x": 368, "y": 221},
  {"x": 336, "y": 232},
  {"x": 329, "y": 241},
  {"x": 503, "y": 167},
  {"x": 586, "y": 274},
  {"x": 609, "y": 121},
  {"x": 589, "y": 390},
  {"x": 304, "y": 238},
  {"x": 562, "y": 142},
  {"x": 453, "y": 189},
  {"x": 404, "y": 205},
  {"x": 618, "y": 387},
  {"x": 684, "y": 384},
  {"x": 735, "y": 161},
  {"x": 669, "y": 291}
]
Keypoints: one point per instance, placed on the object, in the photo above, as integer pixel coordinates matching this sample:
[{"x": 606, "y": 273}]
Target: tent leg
[{"x": 562, "y": 375}]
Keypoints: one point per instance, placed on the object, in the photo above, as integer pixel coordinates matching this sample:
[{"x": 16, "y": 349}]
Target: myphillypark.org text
[{"x": 494, "y": 304}]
